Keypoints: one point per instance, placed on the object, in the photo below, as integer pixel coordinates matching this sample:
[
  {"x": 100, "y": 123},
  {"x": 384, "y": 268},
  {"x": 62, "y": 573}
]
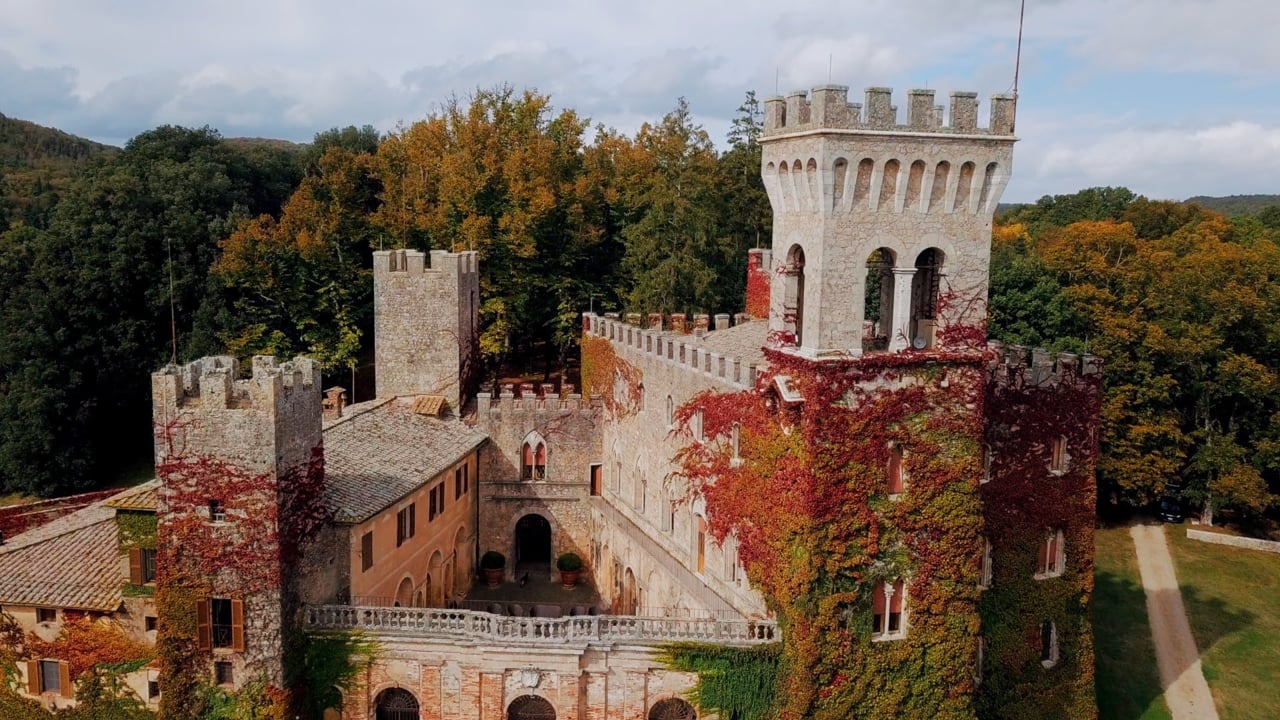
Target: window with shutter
[
  {"x": 366, "y": 551},
  {"x": 702, "y": 544},
  {"x": 65, "y": 685},
  {"x": 135, "y": 566},
  {"x": 33, "y": 677},
  {"x": 888, "y": 611},
  {"x": 204, "y": 625},
  {"x": 894, "y": 471},
  {"x": 222, "y": 622},
  {"x": 237, "y": 625},
  {"x": 879, "y": 604}
]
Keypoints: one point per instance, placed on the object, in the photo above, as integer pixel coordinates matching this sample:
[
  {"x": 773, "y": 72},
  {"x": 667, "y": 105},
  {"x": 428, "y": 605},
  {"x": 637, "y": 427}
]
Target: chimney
[{"x": 335, "y": 399}]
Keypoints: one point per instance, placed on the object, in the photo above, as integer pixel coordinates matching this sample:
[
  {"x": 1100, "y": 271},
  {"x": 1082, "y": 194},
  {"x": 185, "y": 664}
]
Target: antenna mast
[{"x": 1017, "y": 63}]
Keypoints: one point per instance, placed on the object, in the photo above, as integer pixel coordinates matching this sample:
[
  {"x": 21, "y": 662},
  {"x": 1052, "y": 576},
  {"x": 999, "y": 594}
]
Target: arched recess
[
  {"x": 862, "y": 183},
  {"x": 988, "y": 179},
  {"x": 404, "y": 593},
  {"x": 925, "y": 289},
  {"x": 462, "y": 556},
  {"x": 435, "y": 569},
  {"x": 793, "y": 293},
  {"x": 964, "y": 187},
  {"x": 531, "y": 707},
  {"x": 672, "y": 709},
  {"x": 878, "y": 306},
  {"x": 813, "y": 184},
  {"x": 839, "y": 173},
  {"x": 915, "y": 182},
  {"x": 396, "y": 704},
  {"x": 533, "y": 457},
  {"x": 630, "y": 593},
  {"x": 938, "y": 194},
  {"x": 785, "y": 188},
  {"x": 533, "y": 540},
  {"x": 889, "y": 186},
  {"x": 799, "y": 186}
]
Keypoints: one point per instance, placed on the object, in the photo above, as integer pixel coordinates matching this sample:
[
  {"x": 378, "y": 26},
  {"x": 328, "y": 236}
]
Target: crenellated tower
[
  {"x": 241, "y": 475},
  {"x": 882, "y": 231},
  {"x": 426, "y": 326}
]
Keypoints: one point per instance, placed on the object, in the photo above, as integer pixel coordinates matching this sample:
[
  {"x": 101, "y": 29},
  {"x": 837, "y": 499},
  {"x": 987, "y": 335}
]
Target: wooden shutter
[
  {"x": 413, "y": 518},
  {"x": 895, "y": 471},
  {"x": 33, "y": 677},
  {"x": 1053, "y": 552},
  {"x": 204, "y": 629},
  {"x": 528, "y": 455},
  {"x": 541, "y": 458},
  {"x": 877, "y": 600},
  {"x": 135, "y": 566},
  {"x": 1043, "y": 557},
  {"x": 237, "y": 625},
  {"x": 64, "y": 680},
  {"x": 895, "y": 604}
]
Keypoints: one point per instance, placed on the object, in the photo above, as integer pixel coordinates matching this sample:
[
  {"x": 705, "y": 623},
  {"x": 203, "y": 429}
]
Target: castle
[{"x": 848, "y": 468}]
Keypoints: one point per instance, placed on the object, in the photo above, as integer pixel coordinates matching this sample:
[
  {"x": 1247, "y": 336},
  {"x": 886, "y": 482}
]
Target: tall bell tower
[{"x": 881, "y": 231}]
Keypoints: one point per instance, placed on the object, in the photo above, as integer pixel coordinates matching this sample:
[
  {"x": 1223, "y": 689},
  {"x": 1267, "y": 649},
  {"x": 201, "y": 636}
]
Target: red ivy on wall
[{"x": 606, "y": 376}]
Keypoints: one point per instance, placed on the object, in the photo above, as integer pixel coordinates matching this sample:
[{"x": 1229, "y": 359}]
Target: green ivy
[
  {"x": 330, "y": 666},
  {"x": 734, "y": 683},
  {"x": 137, "y": 530}
]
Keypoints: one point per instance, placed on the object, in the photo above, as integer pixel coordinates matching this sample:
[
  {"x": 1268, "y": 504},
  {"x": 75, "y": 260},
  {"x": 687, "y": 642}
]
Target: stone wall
[
  {"x": 425, "y": 322},
  {"x": 571, "y": 428},
  {"x": 462, "y": 681},
  {"x": 1234, "y": 541}
]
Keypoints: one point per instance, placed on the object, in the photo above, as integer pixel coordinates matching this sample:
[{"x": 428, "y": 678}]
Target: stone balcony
[{"x": 471, "y": 626}]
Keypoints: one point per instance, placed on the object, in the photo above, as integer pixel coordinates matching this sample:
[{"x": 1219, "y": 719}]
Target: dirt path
[{"x": 1185, "y": 690}]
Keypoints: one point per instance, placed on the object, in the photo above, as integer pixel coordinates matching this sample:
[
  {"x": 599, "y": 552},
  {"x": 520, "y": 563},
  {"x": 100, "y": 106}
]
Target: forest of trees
[{"x": 264, "y": 247}]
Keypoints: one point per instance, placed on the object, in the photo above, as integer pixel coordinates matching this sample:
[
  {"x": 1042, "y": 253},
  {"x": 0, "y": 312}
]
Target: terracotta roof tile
[
  {"x": 72, "y": 562},
  {"x": 382, "y": 450},
  {"x": 141, "y": 497}
]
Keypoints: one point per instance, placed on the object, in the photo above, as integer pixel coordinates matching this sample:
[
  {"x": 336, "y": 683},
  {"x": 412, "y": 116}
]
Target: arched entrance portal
[
  {"x": 396, "y": 704},
  {"x": 531, "y": 707},
  {"x": 533, "y": 540}
]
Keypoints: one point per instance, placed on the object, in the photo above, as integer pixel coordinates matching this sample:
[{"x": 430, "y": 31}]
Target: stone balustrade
[{"x": 471, "y": 625}]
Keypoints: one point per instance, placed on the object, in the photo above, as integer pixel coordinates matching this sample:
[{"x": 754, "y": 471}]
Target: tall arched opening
[
  {"x": 794, "y": 293},
  {"x": 925, "y": 288},
  {"x": 877, "y": 306},
  {"x": 533, "y": 540},
  {"x": 396, "y": 704},
  {"x": 672, "y": 709}
]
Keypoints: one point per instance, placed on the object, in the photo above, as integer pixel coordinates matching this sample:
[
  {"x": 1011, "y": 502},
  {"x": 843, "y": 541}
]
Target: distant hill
[
  {"x": 1236, "y": 204},
  {"x": 37, "y": 164}
]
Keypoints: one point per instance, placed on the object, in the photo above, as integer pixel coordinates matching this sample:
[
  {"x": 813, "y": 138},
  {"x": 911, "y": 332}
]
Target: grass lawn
[
  {"x": 1233, "y": 601},
  {"x": 1128, "y": 683}
]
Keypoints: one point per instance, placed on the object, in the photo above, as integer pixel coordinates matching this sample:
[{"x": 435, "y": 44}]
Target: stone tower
[
  {"x": 241, "y": 472},
  {"x": 881, "y": 231},
  {"x": 426, "y": 325}
]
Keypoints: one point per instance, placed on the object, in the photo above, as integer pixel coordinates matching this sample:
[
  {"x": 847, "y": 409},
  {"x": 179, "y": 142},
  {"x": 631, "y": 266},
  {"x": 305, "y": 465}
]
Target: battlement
[
  {"x": 537, "y": 399},
  {"x": 675, "y": 346},
  {"x": 1016, "y": 365},
  {"x": 415, "y": 262},
  {"x": 828, "y": 108},
  {"x": 214, "y": 382}
]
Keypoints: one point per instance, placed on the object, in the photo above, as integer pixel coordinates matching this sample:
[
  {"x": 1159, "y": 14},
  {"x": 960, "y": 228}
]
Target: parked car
[{"x": 1169, "y": 510}]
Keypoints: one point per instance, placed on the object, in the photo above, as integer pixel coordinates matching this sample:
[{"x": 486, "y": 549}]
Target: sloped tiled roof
[
  {"x": 381, "y": 451},
  {"x": 71, "y": 562},
  {"x": 141, "y": 497}
]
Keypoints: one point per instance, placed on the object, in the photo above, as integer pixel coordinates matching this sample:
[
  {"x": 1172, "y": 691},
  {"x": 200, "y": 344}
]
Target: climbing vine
[
  {"x": 817, "y": 531},
  {"x": 247, "y": 555},
  {"x": 758, "y": 282},
  {"x": 733, "y": 683},
  {"x": 605, "y": 375}
]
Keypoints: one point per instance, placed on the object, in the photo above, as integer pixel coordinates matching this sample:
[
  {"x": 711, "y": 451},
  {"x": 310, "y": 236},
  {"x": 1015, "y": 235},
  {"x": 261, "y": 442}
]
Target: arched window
[
  {"x": 1053, "y": 555},
  {"x": 1058, "y": 457},
  {"x": 735, "y": 441},
  {"x": 533, "y": 460},
  {"x": 700, "y": 544},
  {"x": 671, "y": 411},
  {"x": 641, "y": 488},
  {"x": 531, "y": 707},
  {"x": 793, "y": 296},
  {"x": 672, "y": 709},
  {"x": 396, "y": 704},
  {"x": 1048, "y": 644},
  {"x": 894, "y": 472},
  {"x": 888, "y": 616},
  {"x": 877, "y": 314},
  {"x": 925, "y": 287}
]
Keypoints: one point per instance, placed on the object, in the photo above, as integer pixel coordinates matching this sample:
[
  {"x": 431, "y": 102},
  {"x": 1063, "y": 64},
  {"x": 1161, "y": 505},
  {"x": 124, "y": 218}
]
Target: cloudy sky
[{"x": 1170, "y": 97}]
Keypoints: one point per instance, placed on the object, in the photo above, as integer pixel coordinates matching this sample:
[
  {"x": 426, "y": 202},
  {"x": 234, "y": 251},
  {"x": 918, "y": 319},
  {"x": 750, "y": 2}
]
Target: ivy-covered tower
[
  {"x": 916, "y": 503},
  {"x": 241, "y": 476},
  {"x": 875, "y": 222}
]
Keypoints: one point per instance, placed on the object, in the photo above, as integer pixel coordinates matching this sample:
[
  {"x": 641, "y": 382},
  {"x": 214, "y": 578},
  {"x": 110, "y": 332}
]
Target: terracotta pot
[
  {"x": 493, "y": 577},
  {"x": 569, "y": 578}
]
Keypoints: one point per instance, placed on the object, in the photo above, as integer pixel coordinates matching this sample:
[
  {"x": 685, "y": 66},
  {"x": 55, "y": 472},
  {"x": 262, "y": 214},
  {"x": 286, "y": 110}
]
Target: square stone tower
[
  {"x": 881, "y": 231},
  {"x": 426, "y": 326},
  {"x": 241, "y": 476}
]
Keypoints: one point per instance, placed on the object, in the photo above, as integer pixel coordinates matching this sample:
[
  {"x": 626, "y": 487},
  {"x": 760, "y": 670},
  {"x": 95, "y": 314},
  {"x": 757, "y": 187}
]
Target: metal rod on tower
[
  {"x": 173, "y": 314},
  {"x": 1017, "y": 62}
]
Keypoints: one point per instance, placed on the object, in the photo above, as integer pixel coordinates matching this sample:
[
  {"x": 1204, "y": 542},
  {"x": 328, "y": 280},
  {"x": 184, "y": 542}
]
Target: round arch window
[
  {"x": 531, "y": 707},
  {"x": 672, "y": 709},
  {"x": 397, "y": 704}
]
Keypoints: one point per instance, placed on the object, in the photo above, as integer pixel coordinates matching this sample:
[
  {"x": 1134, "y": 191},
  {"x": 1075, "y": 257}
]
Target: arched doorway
[
  {"x": 672, "y": 709},
  {"x": 794, "y": 292},
  {"x": 878, "y": 299},
  {"x": 630, "y": 601},
  {"x": 396, "y": 704},
  {"x": 925, "y": 287},
  {"x": 531, "y": 707},
  {"x": 404, "y": 593},
  {"x": 435, "y": 592},
  {"x": 533, "y": 540}
]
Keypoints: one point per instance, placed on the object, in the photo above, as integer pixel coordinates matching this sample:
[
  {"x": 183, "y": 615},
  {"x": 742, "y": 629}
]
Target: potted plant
[
  {"x": 492, "y": 564},
  {"x": 569, "y": 565}
]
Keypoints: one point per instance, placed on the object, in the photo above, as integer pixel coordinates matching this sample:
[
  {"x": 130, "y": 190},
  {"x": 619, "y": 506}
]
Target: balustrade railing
[{"x": 489, "y": 627}]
